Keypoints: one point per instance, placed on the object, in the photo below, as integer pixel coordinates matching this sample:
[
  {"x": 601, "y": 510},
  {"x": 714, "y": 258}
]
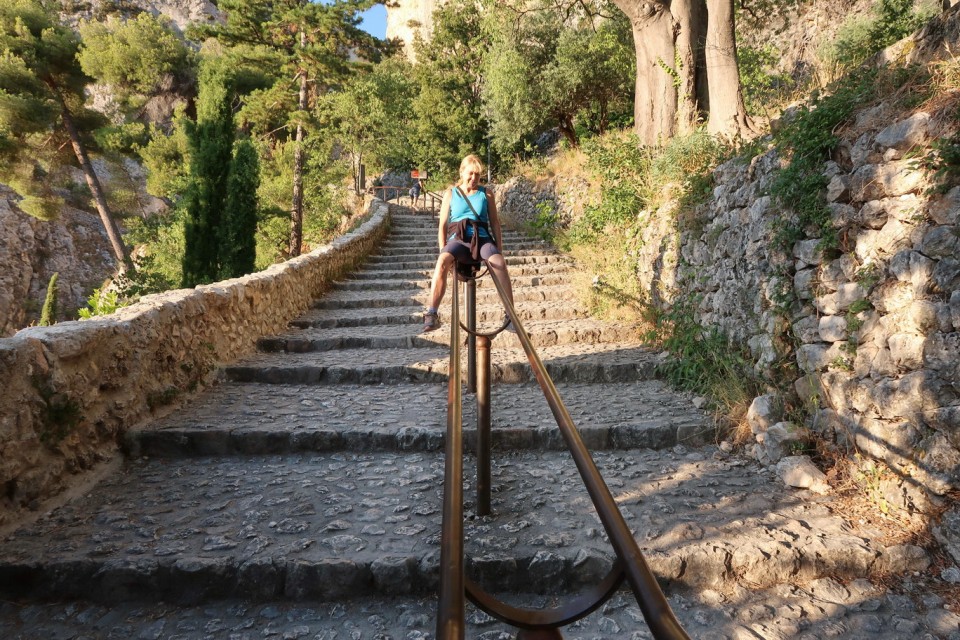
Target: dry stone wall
[
  {"x": 874, "y": 330},
  {"x": 72, "y": 390}
]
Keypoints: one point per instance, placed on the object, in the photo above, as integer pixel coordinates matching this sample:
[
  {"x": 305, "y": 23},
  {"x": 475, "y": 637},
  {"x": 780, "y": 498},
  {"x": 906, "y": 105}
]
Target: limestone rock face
[
  {"x": 31, "y": 250},
  {"x": 408, "y": 18}
]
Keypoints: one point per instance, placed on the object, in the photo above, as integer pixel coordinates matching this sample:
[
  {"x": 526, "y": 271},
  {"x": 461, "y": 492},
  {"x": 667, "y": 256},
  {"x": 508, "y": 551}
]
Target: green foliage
[
  {"x": 160, "y": 241},
  {"x": 48, "y": 316},
  {"x": 136, "y": 57},
  {"x": 703, "y": 361},
  {"x": 546, "y": 223},
  {"x": 40, "y": 80},
  {"x": 943, "y": 163},
  {"x": 859, "y": 38},
  {"x": 211, "y": 150},
  {"x": 634, "y": 177},
  {"x": 549, "y": 69},
  {"x": 762, "y": 87},
  {"x": 238, "y": 247},
  {"x": 100, "y": 303},
  {"x": 166, "y": 157},
  {"x": 808, "y": 139}
]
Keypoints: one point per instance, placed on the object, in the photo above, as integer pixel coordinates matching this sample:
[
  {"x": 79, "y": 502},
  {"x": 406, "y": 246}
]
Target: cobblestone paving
[{"x": 300, "y": 498}]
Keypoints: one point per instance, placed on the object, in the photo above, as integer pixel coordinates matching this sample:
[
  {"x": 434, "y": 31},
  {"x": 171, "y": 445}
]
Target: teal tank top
[{"x": 459, "y": 209}]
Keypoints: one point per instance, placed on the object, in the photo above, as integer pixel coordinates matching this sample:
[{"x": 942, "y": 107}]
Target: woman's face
[{"x": 470, "y": 176}]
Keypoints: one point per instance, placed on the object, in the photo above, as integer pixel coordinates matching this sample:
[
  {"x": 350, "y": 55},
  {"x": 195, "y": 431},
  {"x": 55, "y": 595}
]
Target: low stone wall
[{"x": 70, "y": 391}]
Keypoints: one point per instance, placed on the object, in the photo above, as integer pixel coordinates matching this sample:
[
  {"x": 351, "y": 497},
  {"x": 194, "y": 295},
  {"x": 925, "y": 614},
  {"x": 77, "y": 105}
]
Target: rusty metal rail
[{"x": 630, "y": 564}]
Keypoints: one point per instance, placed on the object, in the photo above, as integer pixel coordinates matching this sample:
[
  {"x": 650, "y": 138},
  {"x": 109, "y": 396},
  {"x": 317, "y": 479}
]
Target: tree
[
  {"x": 238, "y": 243},
  {"x": 686, "y": 67},
  {"x": 136, "y": 58},
  {"x": 449, "y": 119},
  {"x": 42, "y": 97},
  {"x": 48, "y": 316},
  {"x": 211, "y": 147},
  {"x": 546, "y": 70},
  {"x": 370, "y": 116},
  {"x": 316, "y": 44}
]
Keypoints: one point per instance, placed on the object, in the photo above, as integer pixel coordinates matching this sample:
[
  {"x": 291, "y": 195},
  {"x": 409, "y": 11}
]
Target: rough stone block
[
  {"x": 803, "y": 283},
  {"x": 838, "y": 189},
  {"x": 946, "y": 275},
  {"x": 915, "y": 268},
  {"x": 947, "y": 533},
  {"x": 832, "y": 328},
  {"x": 892, "y": 295},
  {"x": 800, "y": 472},
  {"x": 945, "y": 209},
  {"x": 840, "y": 300},
  {"x": 873, "y": 214},
  {"x": 940, "y": 242},
  {"x": 905, "y": 134},
  {"x": 808, "y": 251},
  {"x": 886, "y": 180},
  {"x": 807, "y": 329},
  {"x": 907, "y": 350},
  {"x": 764, "y": 411}
]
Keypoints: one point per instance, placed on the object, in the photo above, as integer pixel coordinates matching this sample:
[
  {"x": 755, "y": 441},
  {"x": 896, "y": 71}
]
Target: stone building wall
[{"x": 73, "y": 389}]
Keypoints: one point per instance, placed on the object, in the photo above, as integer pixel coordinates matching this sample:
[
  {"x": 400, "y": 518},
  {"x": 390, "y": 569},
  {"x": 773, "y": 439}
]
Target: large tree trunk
[
  {"x": 296, "y": 212},
  {"x": 728, "y": 115},
  {"x": 109, "y": 224},
  {"x": 665, "y": 38}
]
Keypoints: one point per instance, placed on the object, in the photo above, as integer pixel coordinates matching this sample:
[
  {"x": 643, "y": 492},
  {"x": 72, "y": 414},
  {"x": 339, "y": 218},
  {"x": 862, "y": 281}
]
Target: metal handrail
[
  {"x": 630, "y": 563},
  {"x": 450, "y": 609}
]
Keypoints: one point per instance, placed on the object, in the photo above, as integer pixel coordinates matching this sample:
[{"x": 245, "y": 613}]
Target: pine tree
[
  {"x": 42, "y": 97},
  {"x": 211, "y": 148},
  {"x": 48, "y": 316},
  {"x": 316, "y": 44},
  {"x": 238, "y": 228}
]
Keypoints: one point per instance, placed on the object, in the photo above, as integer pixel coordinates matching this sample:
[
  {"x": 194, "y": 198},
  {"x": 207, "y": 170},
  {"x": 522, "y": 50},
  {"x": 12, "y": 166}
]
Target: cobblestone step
[
  {"x": 565, "y": 363},
  {"x": 377, "y": 273},
  {"x": 373, "y": 298},
  {"x": 513, "y": 244},
  {"x": 413, "y": 315},
  {"x": 545, "y": 333},
  {"x": 429, "y": 261},
  {"x": 421, "y": 281},
  {"x": 270, "y": 419},
  {"x": 823, "y": 609},
  {"x": 331, "y": 526}
]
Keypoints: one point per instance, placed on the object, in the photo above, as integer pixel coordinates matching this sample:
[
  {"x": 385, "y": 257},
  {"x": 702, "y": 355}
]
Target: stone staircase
[{"x": 301, "y": 496}]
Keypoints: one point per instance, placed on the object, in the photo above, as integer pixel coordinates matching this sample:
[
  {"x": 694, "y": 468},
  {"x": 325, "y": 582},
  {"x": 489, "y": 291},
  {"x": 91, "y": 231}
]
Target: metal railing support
[
  {"x": 451, "y": 606},
  {"x": 471, "y": 335},
  {"x": 483, "y": 426}
]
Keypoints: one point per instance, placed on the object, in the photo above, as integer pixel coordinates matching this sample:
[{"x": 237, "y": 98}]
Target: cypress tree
[
  {"x": 238, "y": 243},
  {"x": 48, "y": 316},
  {"x": 211, "y": 147}
]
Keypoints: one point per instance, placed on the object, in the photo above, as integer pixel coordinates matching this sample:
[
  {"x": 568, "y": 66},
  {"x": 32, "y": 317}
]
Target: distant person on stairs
[
  {"x": 415, "y": 193},
  {"x": 469, "y": 231}
]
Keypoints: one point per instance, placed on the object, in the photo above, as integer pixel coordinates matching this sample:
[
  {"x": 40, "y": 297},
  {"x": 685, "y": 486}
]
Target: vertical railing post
[
  {"x": 471, "y": 335},
  {"x": 483, "y": 426},
  {"x": 451, "y": 605}
]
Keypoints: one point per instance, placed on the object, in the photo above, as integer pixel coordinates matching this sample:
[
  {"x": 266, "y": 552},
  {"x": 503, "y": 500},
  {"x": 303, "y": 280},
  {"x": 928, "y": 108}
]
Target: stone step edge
[
  {"x": 192, "y": 580},
  {"x": 205, "y": 441},
  {"x": 508, "y": 373}
]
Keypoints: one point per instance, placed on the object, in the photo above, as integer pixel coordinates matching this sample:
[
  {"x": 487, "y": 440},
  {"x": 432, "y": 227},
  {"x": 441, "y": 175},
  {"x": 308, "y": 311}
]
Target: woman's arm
[
  {"x": 444, "y": 216},
  {"x": 494, "y": 219}
]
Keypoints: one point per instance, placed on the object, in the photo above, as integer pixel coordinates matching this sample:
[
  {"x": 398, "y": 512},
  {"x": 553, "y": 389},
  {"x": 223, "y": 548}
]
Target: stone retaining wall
[
  {"x": 874, "y": 330},
  {"x": 70, "y": 391}
]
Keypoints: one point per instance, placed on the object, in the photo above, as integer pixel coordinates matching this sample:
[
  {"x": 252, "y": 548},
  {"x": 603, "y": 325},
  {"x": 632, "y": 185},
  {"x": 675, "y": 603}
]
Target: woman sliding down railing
[
  {"x": 630, "y": 563},
  {"x": 469, "y": 230}
]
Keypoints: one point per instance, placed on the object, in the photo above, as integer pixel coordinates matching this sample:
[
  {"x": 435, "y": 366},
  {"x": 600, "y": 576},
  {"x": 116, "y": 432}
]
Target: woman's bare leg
[
  {"x": 499, "y": 266},
  {"x": 439, "y": 284}
]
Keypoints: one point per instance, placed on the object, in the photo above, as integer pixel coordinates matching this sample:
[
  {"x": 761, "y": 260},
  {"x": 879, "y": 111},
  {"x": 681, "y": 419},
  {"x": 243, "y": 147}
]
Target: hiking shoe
[
  {"x": 509, "y": 327},
  {"x": 431, "y": 322}
]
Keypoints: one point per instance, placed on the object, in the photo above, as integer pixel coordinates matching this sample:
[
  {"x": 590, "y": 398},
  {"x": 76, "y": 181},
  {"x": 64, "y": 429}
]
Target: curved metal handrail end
[
  {"x": 580, "y": 606},
  {"x": 493, "y": 334}
]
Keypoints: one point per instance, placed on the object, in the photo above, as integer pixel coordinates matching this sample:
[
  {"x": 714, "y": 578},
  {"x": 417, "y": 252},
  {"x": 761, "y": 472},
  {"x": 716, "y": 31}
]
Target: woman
[{"x": 469, "y": 231}]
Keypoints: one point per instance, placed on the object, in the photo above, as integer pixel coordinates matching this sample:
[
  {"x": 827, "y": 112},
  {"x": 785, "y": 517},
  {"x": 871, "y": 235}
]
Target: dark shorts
[{"x": 461, "y": 250}]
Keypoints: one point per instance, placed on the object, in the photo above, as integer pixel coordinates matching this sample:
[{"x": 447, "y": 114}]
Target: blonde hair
[{"x": 470, "y": 160}]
